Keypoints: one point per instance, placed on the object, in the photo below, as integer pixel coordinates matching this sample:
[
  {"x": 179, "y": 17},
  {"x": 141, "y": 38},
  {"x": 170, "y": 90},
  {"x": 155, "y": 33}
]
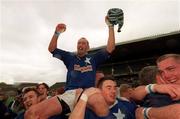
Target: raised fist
[
  {"x": 60, "y": 27},
  {"x": 107, "y": 22}
]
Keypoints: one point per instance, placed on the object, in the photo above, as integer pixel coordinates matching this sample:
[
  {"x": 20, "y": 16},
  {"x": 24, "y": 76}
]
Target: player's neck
[{"x": 81, "y": 55}]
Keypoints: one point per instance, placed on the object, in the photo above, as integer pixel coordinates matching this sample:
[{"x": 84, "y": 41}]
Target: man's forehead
[
  {"x": 29, "y": 93},
  {"x": 108, "y": 83},
  {"x": 41, "y": 86},
  {"x": 83, "y": 40},
  {"x": 171, "y": 59},
  {"x": 168, "y": 63}
]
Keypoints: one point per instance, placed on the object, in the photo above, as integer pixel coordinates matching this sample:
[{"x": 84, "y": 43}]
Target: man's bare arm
[
  {"x": 80, "y": 107},
  {"x": 111, "y": 38},
  {"x": 53, "y": 43},
  {"x": 166, "y": 112}
]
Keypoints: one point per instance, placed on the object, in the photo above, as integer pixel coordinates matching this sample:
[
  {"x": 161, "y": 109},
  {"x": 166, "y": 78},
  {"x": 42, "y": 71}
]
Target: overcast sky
[{"x": 28, "y": 25}]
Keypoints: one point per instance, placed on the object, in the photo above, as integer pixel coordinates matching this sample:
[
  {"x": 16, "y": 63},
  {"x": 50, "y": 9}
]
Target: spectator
[
  {"x": 5, "y": 111},
  {"x": 17, "y": 105},
  {"x": 58, "y": 91},
  {"x": 43, "y": 89},
  {"x": 30, "y": 98}
]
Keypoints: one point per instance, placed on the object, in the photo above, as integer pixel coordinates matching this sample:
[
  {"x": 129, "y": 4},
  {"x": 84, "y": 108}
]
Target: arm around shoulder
[
  {"x": 166, "y": 112},
  {"x": 79, "y": 110}
]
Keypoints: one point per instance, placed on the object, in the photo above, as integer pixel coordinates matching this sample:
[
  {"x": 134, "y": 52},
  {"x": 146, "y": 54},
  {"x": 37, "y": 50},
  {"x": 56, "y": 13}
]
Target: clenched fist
[{"x": 60, "y": 27}]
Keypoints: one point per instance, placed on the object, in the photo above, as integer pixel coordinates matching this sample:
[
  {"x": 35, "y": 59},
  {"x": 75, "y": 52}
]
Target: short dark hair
[
  {"x": 28, "y": 89},
  {"x": 101, "y": 81},
  {"x": 44, "y": 84},
  {"x": 123, "y": 88}
]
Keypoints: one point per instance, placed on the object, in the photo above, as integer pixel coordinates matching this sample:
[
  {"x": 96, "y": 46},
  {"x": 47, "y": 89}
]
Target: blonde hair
[{"x": 123, "y": 88}]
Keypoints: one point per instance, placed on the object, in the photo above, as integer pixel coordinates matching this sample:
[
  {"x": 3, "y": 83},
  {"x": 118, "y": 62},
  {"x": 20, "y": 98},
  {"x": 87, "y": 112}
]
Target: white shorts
[{"x": 69, "y": 97}]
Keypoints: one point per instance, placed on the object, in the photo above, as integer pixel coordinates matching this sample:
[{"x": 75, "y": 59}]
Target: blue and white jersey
[
  {"x": 81, "y": 71},
  {"x": 119, "y": 110},
  {"x": 123, "y": 110}
]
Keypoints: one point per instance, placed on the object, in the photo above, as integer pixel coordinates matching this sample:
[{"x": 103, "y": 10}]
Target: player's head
[
  {"x": 42, "y": 88},
  {"x": 147, "y": 75},
  {"x": 169, "y": 67},
  {"x": 126, "y": 91},
  {"x": 30, "y": 97},
  {"x": 82, "y": 47},
  {"x": 108, "y": 87}
]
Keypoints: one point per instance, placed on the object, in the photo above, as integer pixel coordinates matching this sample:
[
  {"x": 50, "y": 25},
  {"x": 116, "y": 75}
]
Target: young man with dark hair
[
  {"x": 43, "y": 90},
  {"x": 31, "y": 98},
  {"x": 118, "y": 108}
]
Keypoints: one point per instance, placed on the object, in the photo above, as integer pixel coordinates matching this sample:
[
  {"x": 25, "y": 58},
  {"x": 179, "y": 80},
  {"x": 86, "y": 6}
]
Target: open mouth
[
  {"x": 172, "y": 81},
  {"x": 80, "y": 48},
  {"x": 29, "y": 104}
]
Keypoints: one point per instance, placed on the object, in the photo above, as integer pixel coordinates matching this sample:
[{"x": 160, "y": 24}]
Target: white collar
[{"x": 113, "y": 104}]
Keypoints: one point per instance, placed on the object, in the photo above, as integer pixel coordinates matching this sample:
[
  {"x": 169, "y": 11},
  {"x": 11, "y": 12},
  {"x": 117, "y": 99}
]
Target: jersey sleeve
[{"x": 65, "y": 56}]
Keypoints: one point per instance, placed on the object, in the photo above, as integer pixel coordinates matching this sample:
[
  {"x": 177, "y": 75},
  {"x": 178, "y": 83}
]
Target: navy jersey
[
  {"x": 130, "y": 106},
  {"x": 120, "y": 110},
  {"x": 158, "y": 100},
  {"x": 81, "y": 71}
]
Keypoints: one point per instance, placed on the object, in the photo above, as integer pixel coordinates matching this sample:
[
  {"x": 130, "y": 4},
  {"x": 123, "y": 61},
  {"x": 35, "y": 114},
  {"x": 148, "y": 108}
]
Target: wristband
[
  {"x": 84, "y": 97},
  {"x": 56, "y": 33},
  {"x": 150, "y": 88},
  {"x": 146, "y": 112},
  {"x": 111, "y": 26}
]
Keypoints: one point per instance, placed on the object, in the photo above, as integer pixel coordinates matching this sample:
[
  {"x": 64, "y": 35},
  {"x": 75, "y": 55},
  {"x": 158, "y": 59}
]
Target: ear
[{"x": 88, "y": 48}]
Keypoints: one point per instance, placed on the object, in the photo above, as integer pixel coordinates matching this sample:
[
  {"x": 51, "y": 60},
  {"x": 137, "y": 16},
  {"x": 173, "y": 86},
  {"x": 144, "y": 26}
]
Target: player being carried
[{"x": 81, "y": 70}]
